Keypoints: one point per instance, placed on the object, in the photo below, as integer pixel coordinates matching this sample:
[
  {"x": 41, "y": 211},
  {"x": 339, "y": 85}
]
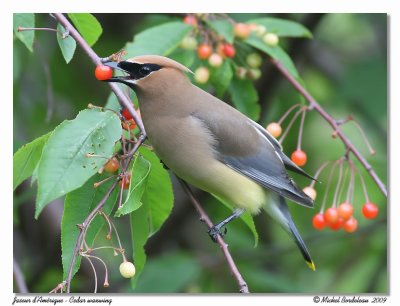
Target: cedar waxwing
[{"x": 211, "y": 145}]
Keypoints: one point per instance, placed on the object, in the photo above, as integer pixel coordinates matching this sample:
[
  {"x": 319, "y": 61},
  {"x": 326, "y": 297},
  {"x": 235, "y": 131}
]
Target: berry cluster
[
  {"x": 214, "y": 50},
  {"x": 341, "y": 216}
]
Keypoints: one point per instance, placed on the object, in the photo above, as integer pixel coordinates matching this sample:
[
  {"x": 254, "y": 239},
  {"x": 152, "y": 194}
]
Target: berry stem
[
  {"x": 345, "y": 177},
  {"x": 370, "y": 148},
  {"x": 334, "y": 202},
  {"x": 280, "y": 121},
  {"x": 104, "y": 264},
  {"x": 364, "y": 186},
  {"x": 318, "y": 172},
  {"x": 21, "y": 29},
  {"x": 303, "y": 116},
  {"x": 350, "y": 189},
  {"x": 97, "y": 184},
  {"x": 94, "y": 272},
  {"x": 328, "y": 185},
  {"x": 101, "y": 212},
  {"x": 290, "y": 125}
]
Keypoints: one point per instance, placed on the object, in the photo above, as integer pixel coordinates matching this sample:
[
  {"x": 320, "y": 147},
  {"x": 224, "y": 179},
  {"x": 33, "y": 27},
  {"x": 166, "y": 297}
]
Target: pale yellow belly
[{"x": 231, "y": 187}]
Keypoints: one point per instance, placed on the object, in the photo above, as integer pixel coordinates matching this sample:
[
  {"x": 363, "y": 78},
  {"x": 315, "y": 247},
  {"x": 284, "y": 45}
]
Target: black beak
[{"x": 119, "y": 79}]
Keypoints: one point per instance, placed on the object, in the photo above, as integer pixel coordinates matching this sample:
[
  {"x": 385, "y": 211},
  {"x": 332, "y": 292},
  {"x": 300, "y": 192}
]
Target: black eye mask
[{"x": 138, "y": 71}]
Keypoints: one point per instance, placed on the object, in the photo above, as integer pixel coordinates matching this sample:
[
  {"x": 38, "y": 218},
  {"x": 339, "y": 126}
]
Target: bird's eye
[{"x": 145, "y": 70}]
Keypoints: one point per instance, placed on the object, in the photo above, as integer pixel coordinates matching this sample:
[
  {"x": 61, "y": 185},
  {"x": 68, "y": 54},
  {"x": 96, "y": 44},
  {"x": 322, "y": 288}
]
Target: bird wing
[
  {"x": 243, "y": 147},
  {"x": 278, "y": 148}
]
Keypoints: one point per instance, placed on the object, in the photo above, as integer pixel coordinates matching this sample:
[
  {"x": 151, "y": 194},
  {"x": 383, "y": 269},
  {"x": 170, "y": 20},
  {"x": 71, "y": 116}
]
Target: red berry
[
  {"x": 204, "y": 51},
  {"x": 370, "y": 210},
  {"x": 337, "y": 225},
  {"x": 299, "y": 157},
  {"x": 127, "y": 115},
  {"x": 331, "y": 215},
  {"x": 112, "y": 165},
  {"x": 350, "y": 225},
  {"x": 345, "y": 210},
  {"x": 103, "y": 72},
  {"x": 229, "y": 50},
  {"x": 190, "y": 19},
  {"x": 274, "y": 129},
  {"x": 125, "y": 181},
  {"x": 241, "y": 30},
  {"x": 318, "y": 221}
]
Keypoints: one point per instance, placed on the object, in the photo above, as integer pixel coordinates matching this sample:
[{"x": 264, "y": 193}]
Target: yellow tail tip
[{"x": 311, "y": 265}]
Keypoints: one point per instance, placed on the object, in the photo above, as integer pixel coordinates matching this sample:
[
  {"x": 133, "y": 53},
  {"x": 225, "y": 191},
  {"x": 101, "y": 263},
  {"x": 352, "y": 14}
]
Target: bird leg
[{"x": 216, "y": 229}]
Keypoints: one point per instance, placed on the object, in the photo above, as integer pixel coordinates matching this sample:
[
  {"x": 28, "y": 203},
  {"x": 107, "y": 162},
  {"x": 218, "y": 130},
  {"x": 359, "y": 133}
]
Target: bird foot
[{"x": 215, "y": 231}]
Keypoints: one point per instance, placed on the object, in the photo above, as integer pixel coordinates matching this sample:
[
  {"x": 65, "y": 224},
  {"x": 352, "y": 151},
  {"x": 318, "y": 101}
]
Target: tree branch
[
  {"x": 122, "y": 98},
  {"x": 332, "y": 122},
  {"x": 243, "y": 288},
  {"x": 93, "y": 213}
]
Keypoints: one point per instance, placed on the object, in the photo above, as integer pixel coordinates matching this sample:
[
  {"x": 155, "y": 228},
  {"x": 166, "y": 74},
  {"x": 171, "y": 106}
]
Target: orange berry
[
  {"x": 191, "y": 20},
  {"x": 125, "y": 181},
  {"x": 331, "y": 215},
  {"x": 345, "y": 210},
  {"x": 112, "y": 165},
  {"x": 350, "y": 225},
  {"x": 299, "y": 157},
  {"x": 370, "y": 210},
  {"x": 241, "y": 30},
  {"x": 103, "y": 72},
  {"x": 337, "y": 225},
  {"x": 318, "y": 221},
  {"x": 204, "y": 51},
  {"x": 229, "y": 50}
]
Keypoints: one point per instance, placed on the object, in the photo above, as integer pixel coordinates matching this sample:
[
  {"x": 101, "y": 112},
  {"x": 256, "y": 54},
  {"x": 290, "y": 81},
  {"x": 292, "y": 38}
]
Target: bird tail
[{"x": 278, "y": 210}]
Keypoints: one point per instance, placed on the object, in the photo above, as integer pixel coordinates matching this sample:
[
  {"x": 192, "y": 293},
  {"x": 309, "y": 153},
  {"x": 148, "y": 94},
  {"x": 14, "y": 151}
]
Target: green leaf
[
  {"x": 161, "y": 40},
  {"x": 282, "y": 27},
  {"x": 168, "y": 274},
  {"x": 139, "y": 174},
  {"x": 27, "y": 158},
  {"x": 223, "y": 28},
  {"x": 275, "y": 52},
  {"x": 88, "y": 26},
  {"x": 64, "y": 165},
  {"x": 158, "y": 194},
  {"x": 67, "y": 44},
  {"x": 157, "y": 205},
  {"x": 245, "y": 97},
  {"x": 221, "y": 78},
  {"x": 185, "y": 57},
  {"x": 140, "y": 231},
  {"x": 26, "y": 21},
  {"x": 77, "y": 206}
]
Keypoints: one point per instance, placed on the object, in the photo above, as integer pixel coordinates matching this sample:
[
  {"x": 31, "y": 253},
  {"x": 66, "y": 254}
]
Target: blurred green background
[{"x": 344, "y": 67}]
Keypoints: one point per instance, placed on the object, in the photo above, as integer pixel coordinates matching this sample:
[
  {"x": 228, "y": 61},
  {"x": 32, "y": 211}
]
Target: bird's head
[{"x": 148, "y": 72}]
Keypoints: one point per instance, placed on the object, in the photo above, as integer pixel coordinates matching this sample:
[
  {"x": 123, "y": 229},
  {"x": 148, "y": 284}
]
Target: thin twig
[
  {"x": 243, "y": 288},
  {"x": 122, "y": 98},
  {"x": 332, "y": 122}
]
